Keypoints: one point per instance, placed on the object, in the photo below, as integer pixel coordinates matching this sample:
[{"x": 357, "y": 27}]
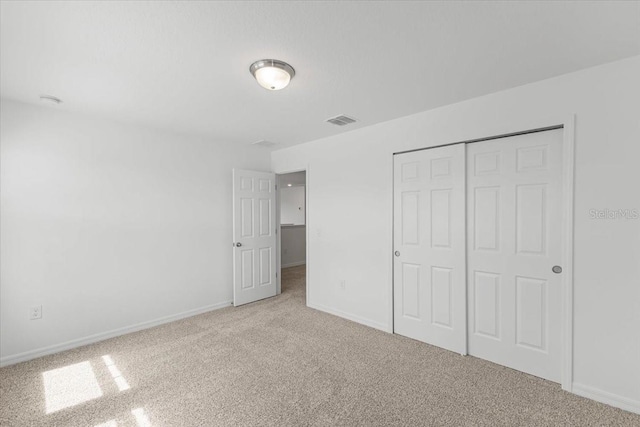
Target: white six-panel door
[
  {"x": 254, "y": 238},
  {"x": 514, "y": 239},
  {"x": 429, "y": 246}
]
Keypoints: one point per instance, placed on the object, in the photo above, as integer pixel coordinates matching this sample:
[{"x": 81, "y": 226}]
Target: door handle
[
  {"x": 397, "y": 253},
  {"x": 556, "y": 269},
  {"x": 238, "y": 244}
]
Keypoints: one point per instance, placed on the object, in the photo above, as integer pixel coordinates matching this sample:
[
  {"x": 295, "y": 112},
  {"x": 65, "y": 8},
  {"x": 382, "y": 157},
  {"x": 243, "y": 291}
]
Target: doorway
[
  {"x": 480, "y": 242},
  {"x": 292, "y": 224}
]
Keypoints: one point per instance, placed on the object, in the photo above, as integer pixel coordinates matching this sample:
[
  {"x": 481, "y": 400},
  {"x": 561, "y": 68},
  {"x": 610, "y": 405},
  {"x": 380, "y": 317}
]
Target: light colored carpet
[{"x": 279, "y": 363}]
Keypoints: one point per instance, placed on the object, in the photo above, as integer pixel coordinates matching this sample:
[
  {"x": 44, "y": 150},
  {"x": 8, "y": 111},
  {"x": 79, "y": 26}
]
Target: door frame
[
  {"x": 567, "y": 124},
  {"x": 279, "y": 232}
]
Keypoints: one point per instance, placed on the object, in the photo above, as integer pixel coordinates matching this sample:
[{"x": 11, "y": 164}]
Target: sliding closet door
[
  {"x": 429, "y": 246},
  {"x": 514, "y": 242}
]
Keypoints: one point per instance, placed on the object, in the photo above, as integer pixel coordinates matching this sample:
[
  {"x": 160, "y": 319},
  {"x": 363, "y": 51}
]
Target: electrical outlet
[
  {"x": 343, "y": 284},
  {"x": 35, "y": 312}
]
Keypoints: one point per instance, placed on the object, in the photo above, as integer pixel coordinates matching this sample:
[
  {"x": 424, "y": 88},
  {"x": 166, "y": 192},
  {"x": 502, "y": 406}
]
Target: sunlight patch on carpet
[
  {"x": 115, "y": 373},
  {"x": 141, "y": 417},
  {"x": 69, "y": 386}
]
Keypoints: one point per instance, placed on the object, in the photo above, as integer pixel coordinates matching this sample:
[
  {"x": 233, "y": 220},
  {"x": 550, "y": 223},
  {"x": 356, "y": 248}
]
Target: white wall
[
  {"x": 108, "y": 226},
  {"x": 350, "y": 226},
  {"x": 292, "y": 205},
  {"x": 294, "y": 245}
]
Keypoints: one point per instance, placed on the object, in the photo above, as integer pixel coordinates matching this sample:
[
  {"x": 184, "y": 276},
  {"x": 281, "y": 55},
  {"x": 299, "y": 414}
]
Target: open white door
[{"x": 254, "y": 236}]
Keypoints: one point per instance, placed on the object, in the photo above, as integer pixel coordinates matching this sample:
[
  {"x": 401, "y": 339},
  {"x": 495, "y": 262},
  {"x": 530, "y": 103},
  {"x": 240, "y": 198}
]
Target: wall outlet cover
[{"x": 35, "y": 312}]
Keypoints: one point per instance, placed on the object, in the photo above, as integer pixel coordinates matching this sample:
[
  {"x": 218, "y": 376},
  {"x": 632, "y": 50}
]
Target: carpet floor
[{"x": 278, "y": 363}]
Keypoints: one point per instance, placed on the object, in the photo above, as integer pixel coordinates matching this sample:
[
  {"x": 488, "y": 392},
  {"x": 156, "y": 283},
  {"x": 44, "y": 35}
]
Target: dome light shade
[{"x": 272, "y": 74}]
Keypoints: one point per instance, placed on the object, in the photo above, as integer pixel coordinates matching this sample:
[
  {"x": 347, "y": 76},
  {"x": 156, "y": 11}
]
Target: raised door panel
[
  {"x": 531, "y": 313},
  {"x": 531, "y": 219},
  {"x": 266, "y": 262},
  {"x": 265, "y": 185},
  {"x": 246, "y": 184},
  {"x": 486, "y": 163},
  {"x": 441, "y": 167},
  {"x": 441, "y": 218},
  {"x": 486, "y": 304},
  {"x": 532, "y": 158},
  {"x": 486, "y": 218},
  {"x": 410, "y": 283},
  {"x": 410, "y": 171},
  {"x": 246, "y": 217},
  {"x": 410, "y": 201},
  {"x": 246, "y": 260},
  {"x": 266, "y": 223},
  {"x": 441, "y": 297}
]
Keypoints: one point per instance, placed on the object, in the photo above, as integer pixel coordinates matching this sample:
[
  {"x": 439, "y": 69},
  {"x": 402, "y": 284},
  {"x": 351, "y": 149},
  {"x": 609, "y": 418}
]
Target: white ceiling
[{"x": 184, "y": 66}]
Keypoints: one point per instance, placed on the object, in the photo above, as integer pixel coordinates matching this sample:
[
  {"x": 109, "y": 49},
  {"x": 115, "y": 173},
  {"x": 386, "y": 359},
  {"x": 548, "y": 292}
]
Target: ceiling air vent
[{"x": 341, "y": 120}]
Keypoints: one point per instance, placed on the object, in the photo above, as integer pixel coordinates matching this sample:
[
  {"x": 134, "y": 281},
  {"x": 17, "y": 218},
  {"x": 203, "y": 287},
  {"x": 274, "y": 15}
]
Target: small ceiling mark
[
  {"x": 52, "y": 100},
  {"x": 264, "y": 143}
]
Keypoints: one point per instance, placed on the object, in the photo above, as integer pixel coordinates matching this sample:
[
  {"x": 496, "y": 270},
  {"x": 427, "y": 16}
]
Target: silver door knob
[
  {"x": 397, "y": 253},
  {"x": 238, "y": 244},
  {"x": 557, "y": 269}
]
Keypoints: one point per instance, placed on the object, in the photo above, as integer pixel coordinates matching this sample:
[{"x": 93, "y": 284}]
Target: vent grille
[
  {"x": 341, "y": 120},
  {"x": 264, "y": 143}
]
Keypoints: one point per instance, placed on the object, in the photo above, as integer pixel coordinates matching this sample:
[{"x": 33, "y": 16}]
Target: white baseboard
[
  {"x": 293, "y": 264},
  {"x": 602, "y": 396},
  {"x": 68, "y": 345},
  {"x": 364, "y": 321}
]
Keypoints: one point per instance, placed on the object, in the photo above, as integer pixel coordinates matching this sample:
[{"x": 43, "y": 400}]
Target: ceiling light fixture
[
  {"x": 48, "y": 99},
  {"x": 272, "y": 74}
]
